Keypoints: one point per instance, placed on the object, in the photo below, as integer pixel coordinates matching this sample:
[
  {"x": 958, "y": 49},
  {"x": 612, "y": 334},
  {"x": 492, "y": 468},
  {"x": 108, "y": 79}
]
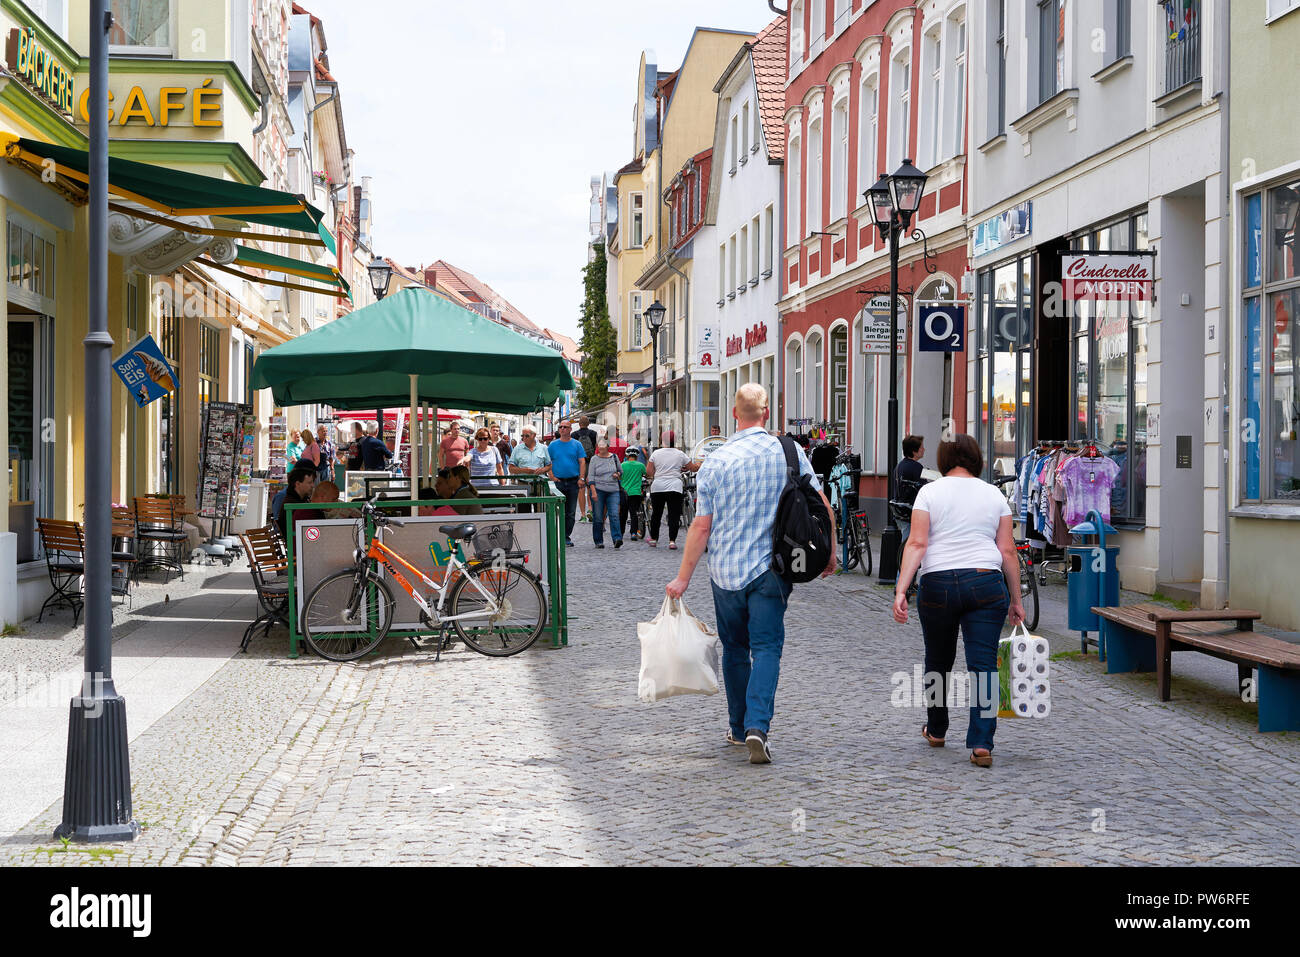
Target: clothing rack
[{"x": 1049, "y": 558}]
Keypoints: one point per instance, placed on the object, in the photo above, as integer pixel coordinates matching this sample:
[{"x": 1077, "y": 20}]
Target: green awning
[
  {"x": 177, "y": 192},
  {"x": 254, "y": 258},
  {"x": 460, "y": 358}
]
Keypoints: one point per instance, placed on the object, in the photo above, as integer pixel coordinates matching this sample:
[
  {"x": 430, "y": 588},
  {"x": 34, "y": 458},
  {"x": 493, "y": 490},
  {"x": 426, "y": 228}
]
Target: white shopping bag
[{"x": 679, "y": 654}]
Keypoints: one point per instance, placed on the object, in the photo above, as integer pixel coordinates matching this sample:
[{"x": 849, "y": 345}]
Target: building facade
[
  {"x": 1102, "y": 132},
  {"x": 737, "y": 274},
  {"x": 869, "y": 85},
  {"x": 1263, "y": 302}
]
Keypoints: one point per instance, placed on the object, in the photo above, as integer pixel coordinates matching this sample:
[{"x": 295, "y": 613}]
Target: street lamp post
[
  {"x": 894, "y": 201},
  {"x": 97, "y": 780},
  {"x": 654, "y": 319},
  {"x": 381, "y": 274}
]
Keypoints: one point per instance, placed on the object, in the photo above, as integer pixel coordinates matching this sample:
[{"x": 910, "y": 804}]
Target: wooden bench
[{"x": 1227, "y": 635}]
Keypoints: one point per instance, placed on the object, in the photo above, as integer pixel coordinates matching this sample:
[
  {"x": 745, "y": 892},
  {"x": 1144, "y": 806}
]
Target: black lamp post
[
  {"x": 894, "y": 201},
  {"x": 654, "y": 319},
  {"x": 381, "y": 273},
  {"x": 97, "y": 780}
]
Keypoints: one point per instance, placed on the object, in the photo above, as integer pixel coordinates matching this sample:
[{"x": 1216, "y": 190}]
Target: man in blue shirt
[
  {"x": 569, "y": 467},
  {"x": 736, "y": 495},
  {"x": 374, "y": 453}
]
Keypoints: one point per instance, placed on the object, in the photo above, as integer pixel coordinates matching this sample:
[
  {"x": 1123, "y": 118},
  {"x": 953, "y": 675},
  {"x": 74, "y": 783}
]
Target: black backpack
[{"x": 801, "y": 533}]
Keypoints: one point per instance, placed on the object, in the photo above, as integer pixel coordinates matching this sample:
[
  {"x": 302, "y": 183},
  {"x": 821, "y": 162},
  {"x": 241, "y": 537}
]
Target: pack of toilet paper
[{"x": 1024, "y": 690}]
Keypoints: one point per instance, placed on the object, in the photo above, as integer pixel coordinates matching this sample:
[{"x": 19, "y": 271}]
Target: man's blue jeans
[
  {"x": 605, "y": 503},
  {"x": 976, "y": 602},
  {"x": 751, "y": 624},
  {"x": 569, "y": 489}
]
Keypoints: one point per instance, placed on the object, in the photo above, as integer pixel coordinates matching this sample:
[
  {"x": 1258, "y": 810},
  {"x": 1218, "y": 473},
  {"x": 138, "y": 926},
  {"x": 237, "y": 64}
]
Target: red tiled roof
[
  {"x": 471, "y": 287},
  {"x": 322, "y": 73},
  {"x": 571, "y": 351},
  {"x": 768, "y": 52}
]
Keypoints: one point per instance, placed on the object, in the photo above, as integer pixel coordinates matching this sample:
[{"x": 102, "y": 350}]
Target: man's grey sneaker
[
  {"x": 732, "y": 739},
  {"x": 759, "y": 752}
]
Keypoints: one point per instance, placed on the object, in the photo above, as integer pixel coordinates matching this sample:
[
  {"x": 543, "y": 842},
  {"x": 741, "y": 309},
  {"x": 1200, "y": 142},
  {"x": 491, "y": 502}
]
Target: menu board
[
  {"x": 244, "y": 464},
  {"x": 223, "y": 433}
]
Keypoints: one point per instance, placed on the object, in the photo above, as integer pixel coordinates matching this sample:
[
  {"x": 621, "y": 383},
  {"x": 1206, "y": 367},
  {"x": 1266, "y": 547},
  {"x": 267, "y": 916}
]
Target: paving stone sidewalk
[{"x": 549, "y": 758}]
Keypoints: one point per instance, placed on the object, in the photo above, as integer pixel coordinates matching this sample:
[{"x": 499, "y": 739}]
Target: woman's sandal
[
  {"x": 981, "y": 760},
  {"x": 934, "y": 742}
]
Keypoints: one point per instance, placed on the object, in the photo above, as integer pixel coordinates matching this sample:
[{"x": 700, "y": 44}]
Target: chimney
[{"x": 431, "y": 277}]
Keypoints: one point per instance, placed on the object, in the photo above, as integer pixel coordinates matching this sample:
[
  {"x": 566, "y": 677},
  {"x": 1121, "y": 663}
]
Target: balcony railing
[{"x": 1183, "y": 57}]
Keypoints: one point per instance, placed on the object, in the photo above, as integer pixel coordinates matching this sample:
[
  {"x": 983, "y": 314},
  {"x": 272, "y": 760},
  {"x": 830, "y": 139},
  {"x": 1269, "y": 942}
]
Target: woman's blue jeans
[
  {"x": 974, "y": 601},
  {"x": 605, "y": 504}
]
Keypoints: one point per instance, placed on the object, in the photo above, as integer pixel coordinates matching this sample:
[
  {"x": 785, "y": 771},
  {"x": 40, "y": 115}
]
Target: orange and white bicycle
[{"x": 496, "y": 605}]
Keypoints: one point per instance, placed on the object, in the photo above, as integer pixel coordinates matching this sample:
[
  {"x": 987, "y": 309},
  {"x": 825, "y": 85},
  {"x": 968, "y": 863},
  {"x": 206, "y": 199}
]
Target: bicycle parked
[
  {"x": 852, "y": 521},
  {"x": 1028, "y": 578},
  {"x": 495, "y": 605}
]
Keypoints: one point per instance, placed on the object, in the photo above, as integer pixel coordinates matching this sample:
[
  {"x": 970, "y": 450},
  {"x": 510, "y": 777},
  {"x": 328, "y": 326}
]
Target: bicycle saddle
[{"x": 464, "y": 531}]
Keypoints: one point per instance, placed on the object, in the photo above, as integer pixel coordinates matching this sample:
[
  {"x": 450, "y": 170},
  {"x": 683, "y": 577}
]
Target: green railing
[{"x": 556, "y": 556}]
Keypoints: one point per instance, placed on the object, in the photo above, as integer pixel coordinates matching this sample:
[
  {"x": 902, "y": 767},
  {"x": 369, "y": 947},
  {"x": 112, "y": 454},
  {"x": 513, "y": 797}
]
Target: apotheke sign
[
  {"x": 754, "y": 336},
  {"x": 1108, "y": 278}
]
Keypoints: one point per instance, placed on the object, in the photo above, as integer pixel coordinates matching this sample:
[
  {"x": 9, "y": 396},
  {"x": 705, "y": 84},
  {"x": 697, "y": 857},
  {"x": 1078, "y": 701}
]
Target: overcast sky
[{"x": 482, "y": 124}]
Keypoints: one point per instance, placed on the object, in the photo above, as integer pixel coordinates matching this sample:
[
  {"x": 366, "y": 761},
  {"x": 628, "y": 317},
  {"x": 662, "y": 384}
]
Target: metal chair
[
  {"x": 160, "y": 534},
  {"x": 64, "y": 545},
  {"x": 125, "y": 551},
  {"x": 269, "y": 568}
]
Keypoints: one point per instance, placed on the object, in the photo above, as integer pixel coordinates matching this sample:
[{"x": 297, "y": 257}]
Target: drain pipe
[{"x": 266, "y": 113}]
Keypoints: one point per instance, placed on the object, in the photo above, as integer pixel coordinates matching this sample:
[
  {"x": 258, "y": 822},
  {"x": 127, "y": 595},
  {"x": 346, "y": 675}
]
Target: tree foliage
[{"x": 599, "y": 341}]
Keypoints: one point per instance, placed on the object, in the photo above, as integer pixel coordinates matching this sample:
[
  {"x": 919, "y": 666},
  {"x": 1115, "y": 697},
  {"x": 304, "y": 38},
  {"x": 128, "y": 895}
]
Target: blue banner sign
[
  {"x": 145, "y": 372},
  {"x": 941, "y": 328}
]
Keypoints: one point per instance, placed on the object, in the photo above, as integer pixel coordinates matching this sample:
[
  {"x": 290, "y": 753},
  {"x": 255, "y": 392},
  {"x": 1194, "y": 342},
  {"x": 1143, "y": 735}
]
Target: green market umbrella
[{"x": 414, "y": 346}]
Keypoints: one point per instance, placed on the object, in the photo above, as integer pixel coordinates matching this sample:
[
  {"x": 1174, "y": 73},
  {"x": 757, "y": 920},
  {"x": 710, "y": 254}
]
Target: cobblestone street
[{"x": 549, "y": 757}]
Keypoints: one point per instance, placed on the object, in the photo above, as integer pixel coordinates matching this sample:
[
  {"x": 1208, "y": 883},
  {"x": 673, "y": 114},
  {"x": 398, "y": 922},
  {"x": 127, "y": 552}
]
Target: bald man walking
[{"x": 737, "y": 493}]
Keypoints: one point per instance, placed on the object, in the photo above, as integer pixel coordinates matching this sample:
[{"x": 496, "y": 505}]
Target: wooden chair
[
  {"x": 160, "y": 533},
  {"x": 125, "y": 550},
  {"x": 64, "y": 545},
  {"x": 269, "y": 568}
]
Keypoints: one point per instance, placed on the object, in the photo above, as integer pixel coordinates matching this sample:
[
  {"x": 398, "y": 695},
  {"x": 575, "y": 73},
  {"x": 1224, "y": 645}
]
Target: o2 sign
[{"x": 941, "y": 328}]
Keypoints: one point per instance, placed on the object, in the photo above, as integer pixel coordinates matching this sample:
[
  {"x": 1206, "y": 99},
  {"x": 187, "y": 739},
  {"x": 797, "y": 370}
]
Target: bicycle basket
[{"x": 493, "y": 540}]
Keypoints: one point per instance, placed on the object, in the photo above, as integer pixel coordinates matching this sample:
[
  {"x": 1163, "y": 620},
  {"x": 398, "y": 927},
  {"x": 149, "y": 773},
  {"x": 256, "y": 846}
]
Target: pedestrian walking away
[
  {"x": 737, "y": 494},
  {"x": 603, "y": 476},
  {"x": 585, "y": 435},
  {"x": 630, "y": 504},
  {"x": 354, "y": 447},
  {"x": 961, "y": 542},
  {"x": 569, "y": 466},
  {"x": 375, "y": 455},
  {"x": 666, "y": 487}
]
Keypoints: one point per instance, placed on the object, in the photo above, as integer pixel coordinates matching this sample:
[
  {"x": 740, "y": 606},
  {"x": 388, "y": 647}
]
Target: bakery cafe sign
[
  {"x": 1107, "y": 277},
  {"x": 40, "y": 69}
]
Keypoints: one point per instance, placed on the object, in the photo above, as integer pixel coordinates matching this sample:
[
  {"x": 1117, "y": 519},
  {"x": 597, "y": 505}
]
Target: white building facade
[
  {"x": 1102, "y": 129},
  {"x": 737, "y": 283}
]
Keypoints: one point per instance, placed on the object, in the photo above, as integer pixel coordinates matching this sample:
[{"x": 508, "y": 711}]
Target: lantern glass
[{"x": 907, "y": 184}]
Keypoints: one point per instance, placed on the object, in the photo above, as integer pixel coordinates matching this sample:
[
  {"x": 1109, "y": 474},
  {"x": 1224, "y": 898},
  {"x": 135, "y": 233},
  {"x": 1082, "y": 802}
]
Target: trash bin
[{"x": 1092, "y": 575}]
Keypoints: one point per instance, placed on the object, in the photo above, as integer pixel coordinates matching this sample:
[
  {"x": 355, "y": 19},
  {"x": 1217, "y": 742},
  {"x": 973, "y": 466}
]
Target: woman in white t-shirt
[
  {"x": 970, "y": 579},
  {"x": 666, "y": 486},
  {"x": 484, "y": 460}
]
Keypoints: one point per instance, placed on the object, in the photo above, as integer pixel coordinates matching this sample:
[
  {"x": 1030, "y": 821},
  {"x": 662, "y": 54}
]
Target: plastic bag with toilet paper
[
  {"x": 679, "y": 654},
  {"x": 1024, "y": 690}
]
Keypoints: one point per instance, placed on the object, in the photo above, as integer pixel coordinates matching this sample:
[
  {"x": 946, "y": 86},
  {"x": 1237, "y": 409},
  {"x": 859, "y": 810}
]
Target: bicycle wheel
[
  {"x": 688, "y": 510},
  {"x": 863, "y": 531},
  {"x": 1029, "y": 594},
  {"x": 852, "y": 551},
  {"x": 342, "y": 622},
  {"x": 520, "y": 601}
]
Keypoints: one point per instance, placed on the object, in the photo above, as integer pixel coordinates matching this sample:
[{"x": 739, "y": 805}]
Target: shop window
[
  {"x": 1271, "y": 423},
  {"x": 1004, "y": 371},
  {"x": 141, "y": 27},
  {"x": 30, "y": 396}
]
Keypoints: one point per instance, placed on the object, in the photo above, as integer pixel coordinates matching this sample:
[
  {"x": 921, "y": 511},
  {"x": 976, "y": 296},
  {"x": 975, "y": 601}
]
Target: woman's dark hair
[
  {"x": 962, "y": 452},
  {"x": 462, "y": 472}
]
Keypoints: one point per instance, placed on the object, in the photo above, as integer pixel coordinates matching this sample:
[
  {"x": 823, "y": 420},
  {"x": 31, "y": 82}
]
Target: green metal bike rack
[{"x": 557, "y": 573}]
